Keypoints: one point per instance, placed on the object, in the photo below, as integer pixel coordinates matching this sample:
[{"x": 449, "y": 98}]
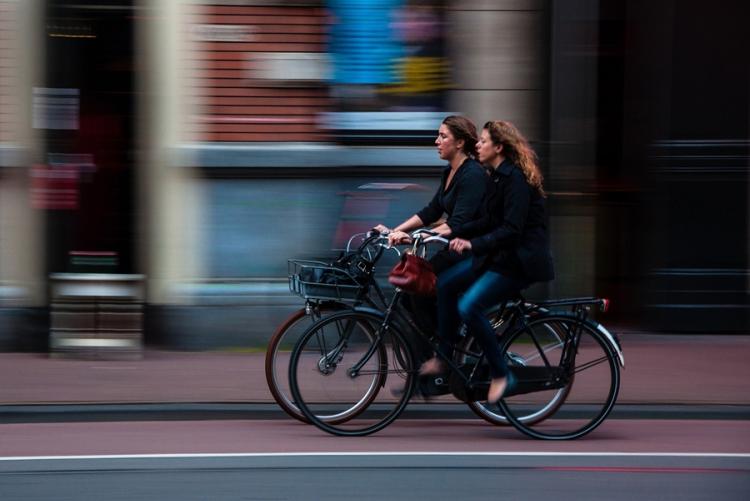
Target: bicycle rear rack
[{"x": 575, "y": 303}]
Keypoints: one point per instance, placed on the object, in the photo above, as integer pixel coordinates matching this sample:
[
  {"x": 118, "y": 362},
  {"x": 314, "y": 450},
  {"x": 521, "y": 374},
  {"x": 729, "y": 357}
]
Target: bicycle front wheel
[
  {"x": 584, "y": 365},
  {"x": 341, "y": 365}
]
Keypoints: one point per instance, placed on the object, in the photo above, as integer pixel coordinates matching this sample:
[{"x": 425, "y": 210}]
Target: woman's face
[
  {"x": 447, "y": 145},
  {"x": 487, "y": 151}
]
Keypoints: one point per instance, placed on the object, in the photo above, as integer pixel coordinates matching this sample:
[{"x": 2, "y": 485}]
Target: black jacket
[
  {"x": 511, "y": 235},
  {"x": 462, "y": 200}
]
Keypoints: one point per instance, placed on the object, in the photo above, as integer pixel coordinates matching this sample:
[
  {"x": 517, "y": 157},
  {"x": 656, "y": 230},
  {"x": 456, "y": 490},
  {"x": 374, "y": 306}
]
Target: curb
[{"x": 62, "y": 413}]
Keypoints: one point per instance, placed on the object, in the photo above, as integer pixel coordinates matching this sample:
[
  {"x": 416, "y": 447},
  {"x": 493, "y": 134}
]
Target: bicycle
[
  {"x": 326, "y": 288},
  {"x": 341, "y": 291},
  {"x": 546, "y": 351}
]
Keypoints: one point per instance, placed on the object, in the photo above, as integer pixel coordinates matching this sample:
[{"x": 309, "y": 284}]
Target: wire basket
[{"x": 318, "y": 280}]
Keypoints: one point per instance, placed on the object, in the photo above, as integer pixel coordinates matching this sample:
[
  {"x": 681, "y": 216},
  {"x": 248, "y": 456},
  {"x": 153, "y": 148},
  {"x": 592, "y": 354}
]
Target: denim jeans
[{"x": 480, "y": 292}]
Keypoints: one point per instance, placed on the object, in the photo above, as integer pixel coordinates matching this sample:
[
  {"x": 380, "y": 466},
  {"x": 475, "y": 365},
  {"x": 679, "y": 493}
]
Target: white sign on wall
[
  {"x": 221, "y": 33},
  {"x": 292, "y": 66}
]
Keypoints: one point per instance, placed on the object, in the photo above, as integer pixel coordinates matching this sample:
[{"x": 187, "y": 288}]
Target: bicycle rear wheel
[
  {"x": 471, "y": 353},
  {"x": 540, "y": 362},
  {"x": 342, "y": 364},
  {"x": 278, "y": 353}
]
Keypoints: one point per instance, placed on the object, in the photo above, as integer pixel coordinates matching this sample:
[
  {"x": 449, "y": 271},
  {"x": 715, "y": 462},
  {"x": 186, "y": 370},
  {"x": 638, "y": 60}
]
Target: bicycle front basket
[{"x": 318, "y": 280}]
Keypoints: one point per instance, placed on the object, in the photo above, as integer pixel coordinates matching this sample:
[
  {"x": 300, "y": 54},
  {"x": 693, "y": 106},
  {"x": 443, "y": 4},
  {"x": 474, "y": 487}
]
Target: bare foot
[
  {"x": 431, "y": 367},
  {"x": 497, "y": 388}
]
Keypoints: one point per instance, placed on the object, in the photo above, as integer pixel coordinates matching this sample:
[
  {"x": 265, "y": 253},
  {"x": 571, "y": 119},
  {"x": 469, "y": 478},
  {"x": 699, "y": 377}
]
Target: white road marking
[{"x": 360, "y": 454}]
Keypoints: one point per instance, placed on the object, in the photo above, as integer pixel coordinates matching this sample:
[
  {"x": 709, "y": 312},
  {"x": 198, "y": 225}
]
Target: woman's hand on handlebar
[
  {"x": 394, "y": 237},
  {"x": 382, "y": 229},
  {"x": 459, "y": 245},
  {"x": 398, "y": 237}
]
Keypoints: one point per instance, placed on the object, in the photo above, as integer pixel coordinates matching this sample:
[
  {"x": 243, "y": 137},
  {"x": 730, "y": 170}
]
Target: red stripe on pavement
[{"x": 645, "y": 469}]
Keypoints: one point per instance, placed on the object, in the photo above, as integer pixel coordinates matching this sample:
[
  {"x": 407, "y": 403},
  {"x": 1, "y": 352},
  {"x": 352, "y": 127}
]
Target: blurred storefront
[
  {"x": 23, "y": 319},
  {"x": 199, "y": 144},
  {"x": 297, "y": 109}
]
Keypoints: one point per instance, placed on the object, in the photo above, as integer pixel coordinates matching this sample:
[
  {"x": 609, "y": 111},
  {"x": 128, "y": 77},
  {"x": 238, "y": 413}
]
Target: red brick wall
[{"x": 234, "y": 105}]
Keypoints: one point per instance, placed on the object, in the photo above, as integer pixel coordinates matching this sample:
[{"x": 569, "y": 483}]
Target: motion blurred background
[{"x": 161, "y": 159}]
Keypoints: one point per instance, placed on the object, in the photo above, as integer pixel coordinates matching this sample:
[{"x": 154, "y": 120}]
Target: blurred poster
[
  {"x": 389, "y": 70},
  {"x": 56, "y": 108},
  {"x": 364, "y": 42},
  {"x": 54, "y": 187}
]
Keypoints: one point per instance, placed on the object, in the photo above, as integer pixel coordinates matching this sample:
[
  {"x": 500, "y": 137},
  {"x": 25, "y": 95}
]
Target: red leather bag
[{"x": 414, "y": 275}]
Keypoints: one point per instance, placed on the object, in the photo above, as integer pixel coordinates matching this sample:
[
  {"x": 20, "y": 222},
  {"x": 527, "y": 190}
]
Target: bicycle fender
[{"x": 612, "y": 341}]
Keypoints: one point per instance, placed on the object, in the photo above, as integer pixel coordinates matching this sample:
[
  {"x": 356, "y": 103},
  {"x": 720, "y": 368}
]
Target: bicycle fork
[{"x": 379, "y": 335}]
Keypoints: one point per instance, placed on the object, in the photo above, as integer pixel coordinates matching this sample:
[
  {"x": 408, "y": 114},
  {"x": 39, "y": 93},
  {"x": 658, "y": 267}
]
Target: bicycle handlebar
[
  {"x": 424, "y": 231},
  {"x": 419, "y": 238},
  {"x": 435, "y": 238},
  {"x": 378, "y": 237}
]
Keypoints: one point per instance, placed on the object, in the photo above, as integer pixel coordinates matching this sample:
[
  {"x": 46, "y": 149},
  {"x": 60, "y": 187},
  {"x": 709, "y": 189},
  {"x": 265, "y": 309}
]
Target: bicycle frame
[
  {"x": 515, "y": 313},
  {"x": 395, "y": 312}
]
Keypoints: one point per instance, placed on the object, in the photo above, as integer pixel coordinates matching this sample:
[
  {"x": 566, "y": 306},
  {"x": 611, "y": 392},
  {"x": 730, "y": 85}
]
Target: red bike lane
[{"x": 405, "y": 435}]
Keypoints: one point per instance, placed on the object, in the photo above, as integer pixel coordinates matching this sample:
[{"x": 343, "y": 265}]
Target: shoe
[
  {"x": 499, "y": 387},
  {"x": 432, "y": 367}
]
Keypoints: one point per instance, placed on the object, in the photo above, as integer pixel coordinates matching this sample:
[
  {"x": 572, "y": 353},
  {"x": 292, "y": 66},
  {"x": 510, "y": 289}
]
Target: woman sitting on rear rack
[{"x": 508, "y": 244}]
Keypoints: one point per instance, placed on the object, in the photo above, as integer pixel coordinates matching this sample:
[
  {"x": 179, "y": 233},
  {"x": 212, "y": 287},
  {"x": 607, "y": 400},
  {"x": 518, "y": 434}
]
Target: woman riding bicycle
[
  {"x": 459, "y": 197},
  {"x": 509, "y": 249},
  {"x": 461, "y": 190}
]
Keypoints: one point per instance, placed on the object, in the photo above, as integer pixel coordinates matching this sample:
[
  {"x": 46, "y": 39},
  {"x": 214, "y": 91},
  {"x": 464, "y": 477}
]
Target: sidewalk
[{"x": 659, "y": 369}]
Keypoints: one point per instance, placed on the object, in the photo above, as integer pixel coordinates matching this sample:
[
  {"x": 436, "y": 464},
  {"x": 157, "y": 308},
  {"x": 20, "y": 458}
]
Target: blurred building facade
[{"x": 199, "y": 144}]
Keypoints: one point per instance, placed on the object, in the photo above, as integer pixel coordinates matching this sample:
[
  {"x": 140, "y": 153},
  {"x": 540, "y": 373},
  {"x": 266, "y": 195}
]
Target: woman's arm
[
  {"x": 516, "y": 201},
  {"x": 412, "y": 223},
  {"x": 399, "y": 233},
  {"x": 428, "y": 215},
  {"x": 442, "y": 229},
  {"x": 432, "y": 211}
]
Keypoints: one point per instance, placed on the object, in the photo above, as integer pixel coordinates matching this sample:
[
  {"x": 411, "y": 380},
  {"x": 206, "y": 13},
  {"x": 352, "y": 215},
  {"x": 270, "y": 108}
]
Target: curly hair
[
  {"x": 463, "y": 128},
  {"x": 517, "y": 149}
]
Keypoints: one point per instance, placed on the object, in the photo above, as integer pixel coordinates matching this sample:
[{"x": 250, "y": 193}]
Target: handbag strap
[{"x": 413, "y": 250}]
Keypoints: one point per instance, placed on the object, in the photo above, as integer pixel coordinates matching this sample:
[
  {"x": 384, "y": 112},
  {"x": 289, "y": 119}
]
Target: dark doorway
[{"x": 86, "y": 110}]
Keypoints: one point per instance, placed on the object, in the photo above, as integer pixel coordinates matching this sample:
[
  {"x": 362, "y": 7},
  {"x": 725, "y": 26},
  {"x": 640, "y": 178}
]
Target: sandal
[{"x": 499, "y": 387}]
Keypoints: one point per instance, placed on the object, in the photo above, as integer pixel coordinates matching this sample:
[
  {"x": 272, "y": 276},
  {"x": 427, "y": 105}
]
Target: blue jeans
[{"x": 480, "y": 292}]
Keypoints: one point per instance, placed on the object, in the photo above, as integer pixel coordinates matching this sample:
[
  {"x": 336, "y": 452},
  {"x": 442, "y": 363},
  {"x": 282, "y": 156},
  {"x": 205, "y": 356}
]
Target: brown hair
[
  {"x": 517, "y": 149},
  {"x": 463, "y": 128}
]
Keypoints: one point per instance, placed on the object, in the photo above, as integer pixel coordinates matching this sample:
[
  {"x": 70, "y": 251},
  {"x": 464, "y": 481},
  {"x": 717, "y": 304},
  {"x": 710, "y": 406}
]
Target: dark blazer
[
  {"x": 462, "y": 201},
  {"x": 511, "y": 235}
]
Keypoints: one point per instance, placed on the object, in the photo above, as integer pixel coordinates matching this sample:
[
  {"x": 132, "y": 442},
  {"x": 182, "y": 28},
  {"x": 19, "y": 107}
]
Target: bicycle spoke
[
  {"x": 590, "y": 364},
  {"x": 540, "y": 351},
  {"x": 321, "y": 338},
  {"x": 545, "y": 349}
]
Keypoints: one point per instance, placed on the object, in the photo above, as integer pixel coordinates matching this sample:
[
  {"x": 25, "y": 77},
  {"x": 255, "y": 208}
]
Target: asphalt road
[
  {"x": 367, "y": 476},
  {"x": 411, "y": 459}
]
